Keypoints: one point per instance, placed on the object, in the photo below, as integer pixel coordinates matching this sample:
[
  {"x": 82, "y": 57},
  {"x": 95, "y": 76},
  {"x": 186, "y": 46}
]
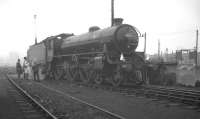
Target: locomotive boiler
[{"x": 100, "y": 55}]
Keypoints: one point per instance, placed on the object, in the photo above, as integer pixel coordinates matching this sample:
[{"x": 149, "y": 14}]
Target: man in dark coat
[
  {"x": 35, "y": 69},
  {"x": 26, "y": 68},
  {"x": 18, "y": 69}
]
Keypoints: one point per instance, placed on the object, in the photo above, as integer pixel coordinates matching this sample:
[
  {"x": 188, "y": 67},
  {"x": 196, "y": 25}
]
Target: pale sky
[{"x": 172, "y": 21}]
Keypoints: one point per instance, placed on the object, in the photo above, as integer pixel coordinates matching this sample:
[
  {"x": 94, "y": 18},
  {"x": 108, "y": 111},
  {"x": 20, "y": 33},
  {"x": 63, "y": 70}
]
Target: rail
[{"x": 36, "y": 103}]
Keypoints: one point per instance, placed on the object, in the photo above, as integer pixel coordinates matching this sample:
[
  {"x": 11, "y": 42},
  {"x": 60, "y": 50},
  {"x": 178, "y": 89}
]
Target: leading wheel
[
  {"x": 138, "y": 76},
  {"x": 117, "y": 78}
]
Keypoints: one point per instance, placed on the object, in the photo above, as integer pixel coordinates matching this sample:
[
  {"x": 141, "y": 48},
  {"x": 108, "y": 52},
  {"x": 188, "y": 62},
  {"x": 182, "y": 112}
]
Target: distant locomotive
[{"x": 101, "y": 55}]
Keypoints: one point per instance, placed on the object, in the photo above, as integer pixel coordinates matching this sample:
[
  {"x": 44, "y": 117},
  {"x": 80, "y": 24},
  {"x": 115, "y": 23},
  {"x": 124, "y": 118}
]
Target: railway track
[
  {"x": 190, "y": 97},
  {"x": 109, "y": 115},
  {"x": 177, "y": 95},
  {"x": 31, "y": 108}
]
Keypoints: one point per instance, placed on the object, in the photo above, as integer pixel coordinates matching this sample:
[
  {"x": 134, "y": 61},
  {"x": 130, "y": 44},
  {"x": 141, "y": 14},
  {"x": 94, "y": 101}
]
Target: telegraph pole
[
  {"x": 112, "y": 12},
  {"x": 196, "y": 59},
  {"x": 158, "y": 47},
  {"x": 145, "y": 38},
  {"x": 35, "y": 17}
]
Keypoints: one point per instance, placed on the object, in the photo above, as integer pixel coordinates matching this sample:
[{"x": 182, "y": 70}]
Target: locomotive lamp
[{"x": 122, "y": 57}]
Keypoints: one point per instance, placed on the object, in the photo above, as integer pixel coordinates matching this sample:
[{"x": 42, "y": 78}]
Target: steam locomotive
[{"x": 100, "y": 55}]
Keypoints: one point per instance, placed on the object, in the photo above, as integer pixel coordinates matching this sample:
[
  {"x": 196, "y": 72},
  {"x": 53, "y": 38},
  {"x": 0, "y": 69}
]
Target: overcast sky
[{"x": 172, "y": 21}]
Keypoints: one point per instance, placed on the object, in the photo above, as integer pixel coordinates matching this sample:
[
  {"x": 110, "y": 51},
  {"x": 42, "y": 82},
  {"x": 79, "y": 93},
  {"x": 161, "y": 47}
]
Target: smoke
[{"x": 10, "y": 59}]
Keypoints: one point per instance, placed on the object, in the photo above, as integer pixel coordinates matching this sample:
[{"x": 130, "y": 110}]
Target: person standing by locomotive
[
  {"x": 25, "y": 68},
  {"x": 35, "y": 69},
  {"x": 18, "y": 69}
]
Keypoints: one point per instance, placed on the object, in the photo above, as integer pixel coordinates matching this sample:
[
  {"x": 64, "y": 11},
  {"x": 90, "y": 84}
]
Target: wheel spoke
[
  {"x": 97, "y": 77},
  {"x": 76, "y": 75},
  {"x": 84, "y": 76},
  {"x": 59, "y": 73},
  {"x": 72, "y": 73}
]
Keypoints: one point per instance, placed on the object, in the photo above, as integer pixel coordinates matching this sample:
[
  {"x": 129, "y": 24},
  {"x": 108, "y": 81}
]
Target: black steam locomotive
[{"x": 101, "y": 55}]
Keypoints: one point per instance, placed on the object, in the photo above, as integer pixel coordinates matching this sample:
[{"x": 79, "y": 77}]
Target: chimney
[
  {"x": 35, "y": 40},
  {"x": 117, "y": 21}
]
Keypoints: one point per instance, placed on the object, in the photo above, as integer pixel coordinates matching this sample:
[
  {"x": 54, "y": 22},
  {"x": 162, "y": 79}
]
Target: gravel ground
[
  {"x": 128, "y": 107},
  {"x": 60, "y": 105}
]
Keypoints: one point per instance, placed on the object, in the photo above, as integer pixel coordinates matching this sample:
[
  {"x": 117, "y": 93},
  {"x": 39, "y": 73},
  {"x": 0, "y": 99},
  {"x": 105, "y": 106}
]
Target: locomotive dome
[{"x": 93, "y": 28}]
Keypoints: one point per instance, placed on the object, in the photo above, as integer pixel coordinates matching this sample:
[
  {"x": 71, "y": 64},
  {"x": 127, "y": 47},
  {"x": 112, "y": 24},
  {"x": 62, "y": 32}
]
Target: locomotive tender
[{"x": 101, "y": 55}]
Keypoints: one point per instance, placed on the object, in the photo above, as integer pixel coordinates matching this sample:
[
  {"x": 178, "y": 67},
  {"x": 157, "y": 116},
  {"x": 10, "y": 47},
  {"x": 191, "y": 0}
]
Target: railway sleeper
[
  {"x": 177, "y": 91},
  {"x": 186, "y": 96},
  {"x": 174, "y": 98},
  {"x": 185, "y": 100},
  {"x": 181, "y": 90},
  {"x": 173, "y": 94}
]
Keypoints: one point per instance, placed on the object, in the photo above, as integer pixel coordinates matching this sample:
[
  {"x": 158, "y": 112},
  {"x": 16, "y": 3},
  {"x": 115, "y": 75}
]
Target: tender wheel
[
  {"x": 41, "y": 74},
  {"x": 58, "y": 74},
  {"x": 50, "y": 75}
]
